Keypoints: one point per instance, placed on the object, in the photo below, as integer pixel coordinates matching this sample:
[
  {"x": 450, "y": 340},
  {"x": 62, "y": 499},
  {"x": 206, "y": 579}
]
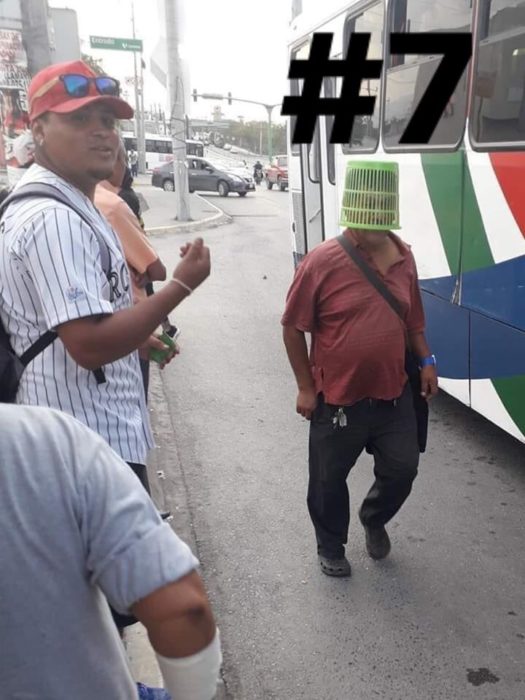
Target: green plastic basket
[{"x": 371, "y": 196}]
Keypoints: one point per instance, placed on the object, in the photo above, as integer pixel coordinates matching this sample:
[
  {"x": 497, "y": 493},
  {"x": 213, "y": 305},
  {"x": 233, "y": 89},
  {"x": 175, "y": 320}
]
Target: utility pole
[
  {"x": 269, "y": 109},
  {"x": 35, "y": 34},
  {"x": 177, "y": 117},
  {"x": 139, "y": 115},
  {"x": 142, "y": 113}
]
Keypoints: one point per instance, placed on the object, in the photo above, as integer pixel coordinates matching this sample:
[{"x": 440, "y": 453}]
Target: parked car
[
  {"x": 204, "y": 176},
  {"x": 277, "y": 173}
]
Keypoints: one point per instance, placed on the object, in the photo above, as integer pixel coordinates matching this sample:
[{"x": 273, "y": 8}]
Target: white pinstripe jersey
[{"x": 51, "y": 273}]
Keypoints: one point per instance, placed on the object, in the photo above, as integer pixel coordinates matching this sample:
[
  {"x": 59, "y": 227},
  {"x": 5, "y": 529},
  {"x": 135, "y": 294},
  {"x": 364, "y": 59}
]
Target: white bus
[
  {"x": 462, "y": 198},
  {"x": 159, "y": 149}
]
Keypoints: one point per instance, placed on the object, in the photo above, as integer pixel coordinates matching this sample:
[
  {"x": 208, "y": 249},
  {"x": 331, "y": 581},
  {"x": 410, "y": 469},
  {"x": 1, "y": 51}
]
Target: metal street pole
[
  {"x": 142, "y": 113},
  {"x": 177, "y": 116},
  {"x": 269, "y": 109},
  {"x": 139, "y": 116}
]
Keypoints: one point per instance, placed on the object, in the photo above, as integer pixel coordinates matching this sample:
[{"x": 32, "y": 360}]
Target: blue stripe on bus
[
  {"x": 497, "y": 291},
  {"x": 471, "y": 345}
]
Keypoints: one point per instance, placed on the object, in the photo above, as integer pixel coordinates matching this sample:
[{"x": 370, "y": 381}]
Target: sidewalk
[
  {"x": 164, "y": 459},
  {"x": 159, "y": 219},
  {"x": 163, "y": 464}
]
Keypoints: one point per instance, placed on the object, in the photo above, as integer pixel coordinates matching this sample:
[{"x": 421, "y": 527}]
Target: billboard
[{"x": 15, "y": 141}]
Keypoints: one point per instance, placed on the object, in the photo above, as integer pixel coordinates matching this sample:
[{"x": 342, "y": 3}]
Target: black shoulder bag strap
[
  {"x": 41, "y": 189},
  {"x": 411, "y": 364},
  {"x": 371, "y": 276}
]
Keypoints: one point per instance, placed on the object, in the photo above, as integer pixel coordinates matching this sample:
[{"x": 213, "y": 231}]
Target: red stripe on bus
[{"x": 510, "y": 171}]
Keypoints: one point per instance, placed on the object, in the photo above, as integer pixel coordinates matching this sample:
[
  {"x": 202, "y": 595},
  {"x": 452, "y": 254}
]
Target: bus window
[
  {"x": 365, "y": 131},
  {"x": 498, "y": 88},
  {"x": 407, "y": 77},
  {"x": 194, "y": 148},
  {"x": 295, "y": 89},
  {"x": 130, "y": 143},
  {"x": 162, "y": 146}
]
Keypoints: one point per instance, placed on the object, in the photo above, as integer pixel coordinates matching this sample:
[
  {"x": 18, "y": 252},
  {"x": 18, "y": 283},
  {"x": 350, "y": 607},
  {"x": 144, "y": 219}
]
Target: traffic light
[
  {"x": 195, "y": 95},
  {"x": 229, "y": 98}
]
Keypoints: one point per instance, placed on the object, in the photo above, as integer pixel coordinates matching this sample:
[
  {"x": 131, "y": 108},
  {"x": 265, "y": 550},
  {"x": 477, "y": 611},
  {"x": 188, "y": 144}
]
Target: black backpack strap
[
  {"x": 39, "y": 346},
  {"x": 371, "y": 276},
  {"x": 41, "y": 189}
]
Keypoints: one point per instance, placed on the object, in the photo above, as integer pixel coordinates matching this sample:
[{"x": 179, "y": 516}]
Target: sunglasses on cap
[{"x": 76, "y": 85}]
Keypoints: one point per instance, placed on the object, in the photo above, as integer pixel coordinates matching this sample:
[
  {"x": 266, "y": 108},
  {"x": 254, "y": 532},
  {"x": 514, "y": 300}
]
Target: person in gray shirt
[{"x": 78, "y": 530}]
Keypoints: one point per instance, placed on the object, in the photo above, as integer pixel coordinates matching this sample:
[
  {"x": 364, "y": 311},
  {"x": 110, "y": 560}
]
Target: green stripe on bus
[
  {"x": 476, "y": 248},
  {"x": 447, "y": 175},
  {"x": 511, "y": 391}
]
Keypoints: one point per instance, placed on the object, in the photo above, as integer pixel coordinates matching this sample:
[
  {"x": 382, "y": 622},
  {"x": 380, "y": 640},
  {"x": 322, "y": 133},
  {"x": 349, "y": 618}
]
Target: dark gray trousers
[{"x": 389, "y": 429}]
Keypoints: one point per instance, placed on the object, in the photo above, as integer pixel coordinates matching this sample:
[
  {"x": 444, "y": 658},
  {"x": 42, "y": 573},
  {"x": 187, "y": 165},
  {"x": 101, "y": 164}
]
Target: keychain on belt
[{"x": 339, "y": 418}]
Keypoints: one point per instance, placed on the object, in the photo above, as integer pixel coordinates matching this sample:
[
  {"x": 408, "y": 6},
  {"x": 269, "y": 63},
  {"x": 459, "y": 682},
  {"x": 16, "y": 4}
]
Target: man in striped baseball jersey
[{"x": 52, "y": 276}]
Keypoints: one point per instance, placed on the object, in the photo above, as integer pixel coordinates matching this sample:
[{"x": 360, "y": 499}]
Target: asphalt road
[{"x": 443, "y": 618}]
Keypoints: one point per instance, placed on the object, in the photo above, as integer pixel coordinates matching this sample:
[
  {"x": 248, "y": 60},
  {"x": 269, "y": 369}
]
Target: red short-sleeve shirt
[{"x": 358, "y": 341}]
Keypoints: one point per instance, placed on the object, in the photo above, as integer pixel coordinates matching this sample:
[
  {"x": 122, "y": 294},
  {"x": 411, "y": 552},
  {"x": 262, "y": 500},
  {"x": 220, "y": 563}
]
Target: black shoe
[
  {"x": 166, "y": 515},
  {"x": 335, "y": 567},
  {"x": 377, "y": 541}
]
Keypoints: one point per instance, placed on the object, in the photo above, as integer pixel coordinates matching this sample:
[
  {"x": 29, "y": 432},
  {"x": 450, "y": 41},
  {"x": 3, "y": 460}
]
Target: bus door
[{"x": 330, "y": 199}]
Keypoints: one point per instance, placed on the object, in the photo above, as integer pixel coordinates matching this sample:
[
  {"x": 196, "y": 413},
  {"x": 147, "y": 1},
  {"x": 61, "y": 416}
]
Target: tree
[
  {"x": 94, "y": 63},
  {"x": 252, "y": 135}
]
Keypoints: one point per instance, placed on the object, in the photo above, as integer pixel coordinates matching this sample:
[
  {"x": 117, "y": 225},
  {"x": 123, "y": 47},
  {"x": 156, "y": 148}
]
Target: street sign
[{"x": 110, "y": 42}]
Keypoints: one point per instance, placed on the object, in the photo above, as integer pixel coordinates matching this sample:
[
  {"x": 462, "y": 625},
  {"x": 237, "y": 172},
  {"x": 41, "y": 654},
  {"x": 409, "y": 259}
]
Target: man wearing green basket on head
[{"x": 370, "y": 372}]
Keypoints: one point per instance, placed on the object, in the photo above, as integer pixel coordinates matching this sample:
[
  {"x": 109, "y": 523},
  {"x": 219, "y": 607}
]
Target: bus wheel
[
  {"x": 222, "y": 188},
  {"x": 168, "y": 186},
  {"x": 280, "y": 183},
  {"x": 269, "y": 184}
]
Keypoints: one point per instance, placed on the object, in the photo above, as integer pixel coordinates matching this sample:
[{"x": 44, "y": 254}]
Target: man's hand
[
  {"x": 306, "y": 402},
  {"x": 429, "y": 382},
  {"x": 195, "y": 264},
  {"x": 141, "y": 280},
  {"x": 154, "y": 343}
]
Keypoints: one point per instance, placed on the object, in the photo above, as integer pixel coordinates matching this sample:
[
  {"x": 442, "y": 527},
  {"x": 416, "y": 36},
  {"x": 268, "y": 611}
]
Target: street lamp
[{"x": 269, "y": 109}]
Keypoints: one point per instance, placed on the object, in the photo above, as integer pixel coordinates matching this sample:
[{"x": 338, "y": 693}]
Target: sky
[{"x": 237, "y": 46}]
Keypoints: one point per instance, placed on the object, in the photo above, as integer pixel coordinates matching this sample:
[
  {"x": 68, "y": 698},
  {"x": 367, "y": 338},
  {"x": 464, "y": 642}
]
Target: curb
[{"x": 219, "y": 219}]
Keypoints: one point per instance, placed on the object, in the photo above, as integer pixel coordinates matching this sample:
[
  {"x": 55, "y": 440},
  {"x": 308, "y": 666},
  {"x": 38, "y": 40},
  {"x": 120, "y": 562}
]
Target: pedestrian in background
[
  {"x": 134, "y": 162},
  {"x": 143, "y": 262}
]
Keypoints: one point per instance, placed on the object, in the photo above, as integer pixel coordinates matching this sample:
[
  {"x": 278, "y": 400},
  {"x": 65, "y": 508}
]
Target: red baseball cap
[{"x": 47, "y": 93}]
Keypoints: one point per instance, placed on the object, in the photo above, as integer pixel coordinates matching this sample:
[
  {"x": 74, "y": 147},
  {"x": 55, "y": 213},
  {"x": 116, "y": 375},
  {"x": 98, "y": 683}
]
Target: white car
[{"x": 243, "y": 172}]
